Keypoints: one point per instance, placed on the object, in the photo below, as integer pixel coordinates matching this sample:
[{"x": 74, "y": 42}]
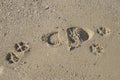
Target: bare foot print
[
  {"x": 22, "y": 47},
  {"x": 103, "y": 31},
  {"x": 12, "y": 57},
  {"x": 97, "y": 49},
  {"x": 76, "y": 36},
  {"x": 51, "y": 39}
]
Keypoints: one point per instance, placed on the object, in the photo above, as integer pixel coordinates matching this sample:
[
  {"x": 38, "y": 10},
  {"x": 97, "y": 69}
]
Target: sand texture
[{"x": 59, "y": 39}]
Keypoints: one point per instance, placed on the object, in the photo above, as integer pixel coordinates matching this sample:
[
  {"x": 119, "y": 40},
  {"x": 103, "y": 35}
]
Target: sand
[{"x": 59, "y": 40}]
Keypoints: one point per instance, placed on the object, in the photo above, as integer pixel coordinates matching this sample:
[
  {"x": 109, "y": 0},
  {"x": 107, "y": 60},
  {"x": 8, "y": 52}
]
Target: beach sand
[{"x": 59, "y": 39}]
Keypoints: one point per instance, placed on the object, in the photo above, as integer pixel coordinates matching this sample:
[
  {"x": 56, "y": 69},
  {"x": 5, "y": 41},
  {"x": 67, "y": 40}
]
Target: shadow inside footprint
[
  {"x": 83, "y": 35},
  {"x": 76, "y": 36}
]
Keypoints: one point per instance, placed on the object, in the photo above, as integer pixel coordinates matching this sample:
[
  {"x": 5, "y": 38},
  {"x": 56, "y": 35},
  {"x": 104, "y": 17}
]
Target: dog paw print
[
  {"x": 97, "y": 49},
  {"x": 103, "y": 31},
  {"x": 12, "y": 57},
  {"x": 15, "y": 57},
  {"x": 22, "y": 47}
]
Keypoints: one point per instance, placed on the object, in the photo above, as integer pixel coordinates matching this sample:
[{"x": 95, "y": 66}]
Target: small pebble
[{"x": 47, "y": 7}]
